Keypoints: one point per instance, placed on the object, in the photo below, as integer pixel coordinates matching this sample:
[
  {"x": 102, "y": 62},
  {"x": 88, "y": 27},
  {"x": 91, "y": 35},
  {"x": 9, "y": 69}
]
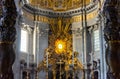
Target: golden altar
[{"x": 60, "y": 62}]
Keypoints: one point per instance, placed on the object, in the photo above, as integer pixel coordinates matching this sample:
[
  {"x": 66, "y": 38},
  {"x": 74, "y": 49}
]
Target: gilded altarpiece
[
  {"x": 60, "y": 41},
  {"x": 59, "y": 57}
]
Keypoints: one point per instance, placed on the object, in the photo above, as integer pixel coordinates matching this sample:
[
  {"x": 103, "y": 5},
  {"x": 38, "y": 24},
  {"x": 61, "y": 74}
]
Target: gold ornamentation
[
  {"x": 5, "y": 42},
  {"x": 114, "y": 41},
  {"x": 58, "y": 5},
  {"x": 60, "y": 36},
  {"x": 60, "y": 46},
  {"x": 50, "y": 21},
  {"x": 90, "y": 16},
  {"x": 37, "y": 17}
]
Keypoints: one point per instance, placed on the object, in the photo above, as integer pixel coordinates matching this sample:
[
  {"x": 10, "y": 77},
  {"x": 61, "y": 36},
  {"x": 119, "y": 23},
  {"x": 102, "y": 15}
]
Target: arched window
[{"x": 24, "y": 41}]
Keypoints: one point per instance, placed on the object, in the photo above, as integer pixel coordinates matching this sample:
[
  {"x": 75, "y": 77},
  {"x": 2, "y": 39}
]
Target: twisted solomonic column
[
  {"x": 7, "y": 38},
  {"x": 112, "y": 37}
]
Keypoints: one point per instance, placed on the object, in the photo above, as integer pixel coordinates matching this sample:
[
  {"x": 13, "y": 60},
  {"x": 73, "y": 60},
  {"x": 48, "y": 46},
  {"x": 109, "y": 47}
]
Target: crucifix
[{"x": 60, "y": 69}]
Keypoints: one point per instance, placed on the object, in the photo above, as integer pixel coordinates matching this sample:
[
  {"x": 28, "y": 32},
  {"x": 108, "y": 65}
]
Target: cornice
[{"x": 54, "y": 14}]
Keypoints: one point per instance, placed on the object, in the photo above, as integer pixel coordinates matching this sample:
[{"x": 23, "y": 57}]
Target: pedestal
[
  {"x": 113, "y": 59},
  {"x": 7, "y": 57}
]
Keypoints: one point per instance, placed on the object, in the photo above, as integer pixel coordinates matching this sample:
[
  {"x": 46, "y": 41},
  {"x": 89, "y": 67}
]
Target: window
[
  {"x": 24, "y": 41},
  {"x": 96, "y": 40}
]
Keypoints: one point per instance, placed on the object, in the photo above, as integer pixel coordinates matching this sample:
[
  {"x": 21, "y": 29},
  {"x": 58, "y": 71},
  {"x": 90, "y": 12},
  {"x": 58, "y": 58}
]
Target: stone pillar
[
  {"x": 7, "y": 38},
  {"x": 85, "y": 37},
  {"x": 103, "y": 66},
  {"x": 34, "y": 41},
  {"x": 86, "y": 47},
  {"x": 16, "y": 66},
  {"x": 43, "y": 44},
  {"x": 112, "y": 38},
  {"x": 37, "y": 49},
  {"x": 37, "y": 46}
]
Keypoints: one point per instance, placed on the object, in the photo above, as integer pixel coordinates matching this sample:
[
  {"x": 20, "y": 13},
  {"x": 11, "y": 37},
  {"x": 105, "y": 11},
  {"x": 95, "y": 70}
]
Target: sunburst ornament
[{"x": 60, "y": 46}]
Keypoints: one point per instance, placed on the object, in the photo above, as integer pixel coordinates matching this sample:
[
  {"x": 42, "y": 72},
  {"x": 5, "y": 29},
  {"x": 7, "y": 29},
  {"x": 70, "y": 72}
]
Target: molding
[
  {"x": 27, "y": 28},
  {"x": 48, "y": 20},
  {"x": 54, "y": 14}
]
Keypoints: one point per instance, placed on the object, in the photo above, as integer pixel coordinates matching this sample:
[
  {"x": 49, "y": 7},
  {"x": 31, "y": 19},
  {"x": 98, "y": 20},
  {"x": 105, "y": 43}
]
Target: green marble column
[
  {"x": 7, "y": 38},
  {"x": 112, "y": 37}
]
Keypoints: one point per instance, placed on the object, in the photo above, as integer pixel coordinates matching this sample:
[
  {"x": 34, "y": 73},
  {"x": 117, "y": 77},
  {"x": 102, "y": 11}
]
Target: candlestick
[
  {"x": 28, "y": 54},
  {"x": 28, "y": 60},
  {"x": 73, "y": 59},
  {"x": 60, "y": 69}
]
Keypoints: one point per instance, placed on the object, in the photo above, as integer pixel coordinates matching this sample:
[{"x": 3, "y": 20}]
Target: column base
[{"x": 7, "y": 57}]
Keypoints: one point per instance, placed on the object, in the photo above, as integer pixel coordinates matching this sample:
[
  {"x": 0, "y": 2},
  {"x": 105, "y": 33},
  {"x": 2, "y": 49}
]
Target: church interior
[{"x": 59, "y": 39}]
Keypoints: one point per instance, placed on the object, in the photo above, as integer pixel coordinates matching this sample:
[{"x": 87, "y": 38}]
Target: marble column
[
  {"x": 43, "y": 44},
  {"x": 112, "y": 38},
  {"x": 35, "y": 41},
  {"x": 102, "y": 47},
  {"x": 84, "y": 36},
  {"x": 77, "y": 43},
  {"x": 7, "y": 38},
  {"x": 37, "y": 49},
  {"x": 37, "y": 46},
  {"x": 86, "y": 47},
  {"x": 16, "y": 66},
  {"x": 28, "y": 47}
]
